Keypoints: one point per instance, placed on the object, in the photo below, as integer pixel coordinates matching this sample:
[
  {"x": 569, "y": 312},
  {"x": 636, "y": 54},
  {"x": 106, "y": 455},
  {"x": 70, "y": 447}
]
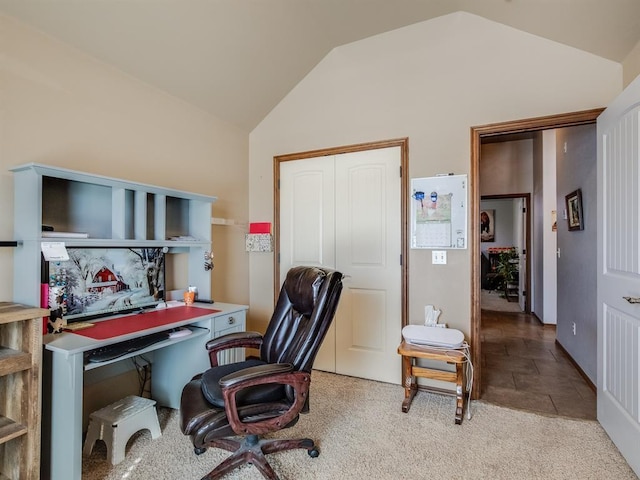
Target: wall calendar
[{"x": 439, "y": 212}]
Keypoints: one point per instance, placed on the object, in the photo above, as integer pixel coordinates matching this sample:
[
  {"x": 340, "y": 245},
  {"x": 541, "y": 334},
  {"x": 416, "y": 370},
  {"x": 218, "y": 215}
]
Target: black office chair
[{"x": 265, "y": 394}]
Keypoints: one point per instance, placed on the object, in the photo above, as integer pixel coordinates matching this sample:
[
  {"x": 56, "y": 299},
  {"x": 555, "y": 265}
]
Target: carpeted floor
[{"x": 362, "y": 434}]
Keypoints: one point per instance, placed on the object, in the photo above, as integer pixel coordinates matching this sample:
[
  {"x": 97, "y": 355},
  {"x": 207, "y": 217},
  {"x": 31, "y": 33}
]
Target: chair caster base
[{"x": 253, "y": 450}]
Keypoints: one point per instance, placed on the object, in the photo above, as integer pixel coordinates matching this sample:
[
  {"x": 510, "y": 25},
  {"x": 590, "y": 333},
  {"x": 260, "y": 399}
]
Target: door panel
[
  {"x": 368, "y": 228},
  {"x": 306, "y": 214},
  {"x": 367, "y": 325},
  {"x": 307, "y": 232},
  {"x": 619, "y": 273}
]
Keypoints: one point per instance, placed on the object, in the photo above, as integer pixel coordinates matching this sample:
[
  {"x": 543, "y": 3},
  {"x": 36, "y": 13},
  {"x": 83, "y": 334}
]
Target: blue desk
[{"x": 175, "y": 362}]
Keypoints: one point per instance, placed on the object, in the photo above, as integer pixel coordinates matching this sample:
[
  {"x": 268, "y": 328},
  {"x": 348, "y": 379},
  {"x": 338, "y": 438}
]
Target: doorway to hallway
[{"x": 478, "y": 135}]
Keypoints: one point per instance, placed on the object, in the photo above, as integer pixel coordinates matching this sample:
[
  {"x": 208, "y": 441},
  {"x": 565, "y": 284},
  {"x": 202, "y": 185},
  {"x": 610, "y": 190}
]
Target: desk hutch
[
  {"x": 111, "y": 212},
  {"x": 88, "y": 210}
]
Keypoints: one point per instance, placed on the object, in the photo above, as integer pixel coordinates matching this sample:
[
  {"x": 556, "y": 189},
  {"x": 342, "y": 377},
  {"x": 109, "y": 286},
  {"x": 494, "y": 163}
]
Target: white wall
[
  {"x": 631, "y": 65},
  {"x": 430, "y": 82},
  {"x": 549, "y": 312},
  {"x": 60, "y": 107}
]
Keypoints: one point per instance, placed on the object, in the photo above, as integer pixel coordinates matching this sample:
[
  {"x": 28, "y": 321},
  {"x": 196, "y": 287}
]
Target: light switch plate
[{"x": 439, "y": 257}]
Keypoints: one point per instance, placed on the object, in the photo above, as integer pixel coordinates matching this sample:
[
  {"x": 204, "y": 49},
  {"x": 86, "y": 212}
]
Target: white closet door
[
  {"x": 343, "y": 212},
  {"x": 307, "y": 227},
  {"x": 368, "y": 227}
]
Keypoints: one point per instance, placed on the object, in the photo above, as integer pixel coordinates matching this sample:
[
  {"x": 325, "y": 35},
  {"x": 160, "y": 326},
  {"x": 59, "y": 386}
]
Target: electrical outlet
[
  {"x": 574, "y": 327},
  {"x": 439, "y": 257}
]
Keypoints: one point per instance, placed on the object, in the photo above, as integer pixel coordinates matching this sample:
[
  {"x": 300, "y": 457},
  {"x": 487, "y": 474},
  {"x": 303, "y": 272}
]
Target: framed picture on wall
[
  {"x": 574, "y": 210},
  {"x": 487, "y": 226}
]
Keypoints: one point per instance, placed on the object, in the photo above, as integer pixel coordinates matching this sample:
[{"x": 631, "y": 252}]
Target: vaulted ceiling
[{"x": 238, "y": 58}]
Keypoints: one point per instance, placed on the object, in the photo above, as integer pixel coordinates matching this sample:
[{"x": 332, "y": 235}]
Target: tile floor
[{"x": 523, "y": 367}]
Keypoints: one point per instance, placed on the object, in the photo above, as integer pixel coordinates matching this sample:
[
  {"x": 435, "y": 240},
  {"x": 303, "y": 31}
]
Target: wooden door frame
[
  {"x": 527, "y": 240},
  {"x": 403, "y": 143},
  {"x": 477, "y": 134}
]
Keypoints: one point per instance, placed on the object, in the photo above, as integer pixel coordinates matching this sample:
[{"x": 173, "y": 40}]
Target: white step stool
[{"x": 116, "y": 423}]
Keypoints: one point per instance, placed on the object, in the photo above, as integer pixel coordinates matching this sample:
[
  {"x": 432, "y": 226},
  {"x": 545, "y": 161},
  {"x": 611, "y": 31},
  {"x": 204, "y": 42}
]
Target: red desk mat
[{"x": 142, "y": 321}]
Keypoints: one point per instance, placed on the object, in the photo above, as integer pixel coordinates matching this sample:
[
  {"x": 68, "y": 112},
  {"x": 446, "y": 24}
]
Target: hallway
[{"x": 524, "y": 368}]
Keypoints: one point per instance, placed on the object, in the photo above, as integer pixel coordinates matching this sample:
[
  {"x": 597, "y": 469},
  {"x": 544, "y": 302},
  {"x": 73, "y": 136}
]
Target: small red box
[{"x": 261, "y": 227}]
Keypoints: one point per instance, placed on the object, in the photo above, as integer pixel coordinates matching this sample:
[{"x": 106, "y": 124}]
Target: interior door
[
  {"x": 343, "y": 211},
  {"x": 368, "y": 226},
  {"x": 619, "y": 273},
  {"x": 307, "y": 227}
]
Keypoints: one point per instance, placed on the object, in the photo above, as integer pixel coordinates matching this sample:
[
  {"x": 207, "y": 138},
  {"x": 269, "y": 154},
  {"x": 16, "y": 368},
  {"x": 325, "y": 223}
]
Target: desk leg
[
  {"x": 410, "y": 386},
  {"x": 460, "y": 387},
  {"x": 65, "y": 440}
]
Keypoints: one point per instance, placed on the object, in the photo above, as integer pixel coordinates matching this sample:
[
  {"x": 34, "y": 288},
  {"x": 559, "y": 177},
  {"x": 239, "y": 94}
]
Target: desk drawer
[
  {"x": 234, "y": 321},
  {"x": 230, "y": 323}
]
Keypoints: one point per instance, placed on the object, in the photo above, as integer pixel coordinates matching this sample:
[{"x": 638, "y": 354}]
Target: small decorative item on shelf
[
  {"x": 259, "y": 238},
  {"x": 189, "y": 298},
  {"x": 259, "y": 242},
  {"x": 208, "y": 261},
  {"x": 56, "y": 321},
  {"x": 191, "y": 295}
]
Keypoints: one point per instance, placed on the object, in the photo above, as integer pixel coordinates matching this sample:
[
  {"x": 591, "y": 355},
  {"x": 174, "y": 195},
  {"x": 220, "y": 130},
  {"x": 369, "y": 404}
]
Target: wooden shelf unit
[{"x": 20, "y": 356}]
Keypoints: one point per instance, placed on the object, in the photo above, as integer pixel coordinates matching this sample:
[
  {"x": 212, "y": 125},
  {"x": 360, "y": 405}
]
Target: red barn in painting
[{"x": 106, "y": 279}]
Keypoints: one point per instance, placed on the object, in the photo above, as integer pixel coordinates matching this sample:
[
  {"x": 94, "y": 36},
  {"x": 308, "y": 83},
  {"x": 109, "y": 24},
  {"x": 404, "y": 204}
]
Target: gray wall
[{"x": 576, "y": 168}]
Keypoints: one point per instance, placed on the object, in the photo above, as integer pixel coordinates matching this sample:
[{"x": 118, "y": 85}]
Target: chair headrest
[{"x": 302, "y": 285}]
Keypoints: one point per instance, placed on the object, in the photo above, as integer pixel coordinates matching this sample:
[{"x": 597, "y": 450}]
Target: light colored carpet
[
  {"x": 362, "y": 434},
  {"x": 494, "y": 300}
]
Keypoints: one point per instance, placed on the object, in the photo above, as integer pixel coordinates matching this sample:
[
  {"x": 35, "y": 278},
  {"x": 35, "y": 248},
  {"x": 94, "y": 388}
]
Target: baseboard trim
[{"x": 580, "y": 371}]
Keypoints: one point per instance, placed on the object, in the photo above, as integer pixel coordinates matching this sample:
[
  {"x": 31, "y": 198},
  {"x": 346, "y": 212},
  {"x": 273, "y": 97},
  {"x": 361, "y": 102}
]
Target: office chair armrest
[
  {"x": 245, "y": 375},
  {"x": 281, "y": 373},
  {"x": 232, "y": 340}
]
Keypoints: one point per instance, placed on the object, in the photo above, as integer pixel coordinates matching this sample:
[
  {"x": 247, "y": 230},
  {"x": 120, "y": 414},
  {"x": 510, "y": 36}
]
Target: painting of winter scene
[{"x": 100, "y": 281}]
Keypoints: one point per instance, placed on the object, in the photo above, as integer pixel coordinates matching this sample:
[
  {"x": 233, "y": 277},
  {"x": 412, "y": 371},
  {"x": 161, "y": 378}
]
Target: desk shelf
[{"x": 165, "y": 343}]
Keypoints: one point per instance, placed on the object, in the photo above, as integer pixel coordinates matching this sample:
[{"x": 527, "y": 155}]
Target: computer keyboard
[{"x": 110, "y": 352}]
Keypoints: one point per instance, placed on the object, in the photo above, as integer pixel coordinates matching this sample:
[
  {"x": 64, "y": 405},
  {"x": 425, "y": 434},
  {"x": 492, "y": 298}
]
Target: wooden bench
[{"x": 411, "y": 372}]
